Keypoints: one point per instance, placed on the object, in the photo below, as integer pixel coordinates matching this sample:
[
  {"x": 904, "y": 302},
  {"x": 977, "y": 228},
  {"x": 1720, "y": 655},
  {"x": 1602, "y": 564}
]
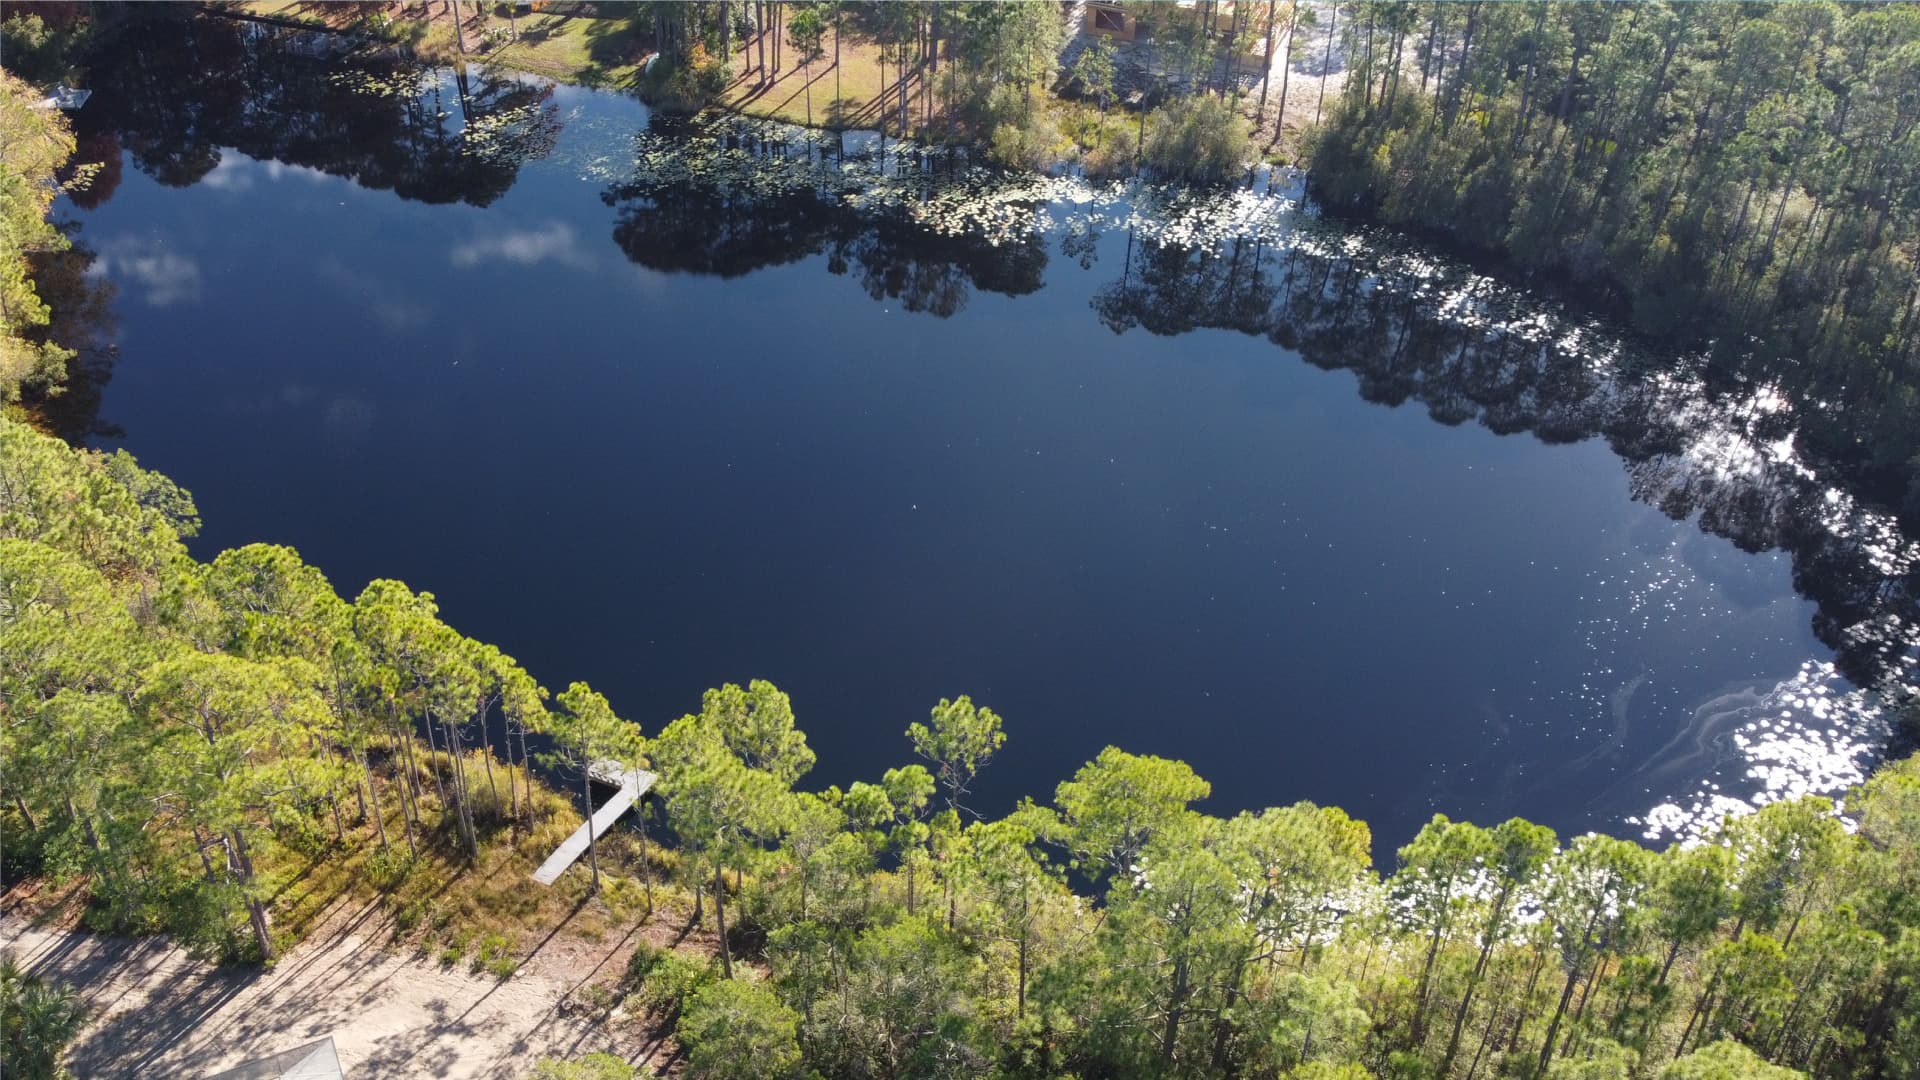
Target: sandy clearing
[{"x": 391, "y": 1013}]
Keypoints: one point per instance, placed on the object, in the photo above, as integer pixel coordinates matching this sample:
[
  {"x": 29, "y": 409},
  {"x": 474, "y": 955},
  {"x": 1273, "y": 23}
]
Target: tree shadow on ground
[
  {"x": 136, "y": 1038},
  {"x": 612, "y": 44}
]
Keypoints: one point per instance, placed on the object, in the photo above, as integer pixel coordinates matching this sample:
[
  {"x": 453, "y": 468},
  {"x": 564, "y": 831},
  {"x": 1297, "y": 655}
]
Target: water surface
[{"x": 1215, "y": 480}]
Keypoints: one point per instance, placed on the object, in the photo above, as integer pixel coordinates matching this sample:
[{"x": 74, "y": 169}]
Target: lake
[{"x": 659, "y": 406}]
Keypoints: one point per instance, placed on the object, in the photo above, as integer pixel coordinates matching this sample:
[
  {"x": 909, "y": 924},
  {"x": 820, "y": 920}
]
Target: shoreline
[{"x": 852, "y": 87}]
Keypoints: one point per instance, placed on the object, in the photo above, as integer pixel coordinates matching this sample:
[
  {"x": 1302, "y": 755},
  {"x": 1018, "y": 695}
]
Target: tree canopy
[{"x": 1737, "y": 178}]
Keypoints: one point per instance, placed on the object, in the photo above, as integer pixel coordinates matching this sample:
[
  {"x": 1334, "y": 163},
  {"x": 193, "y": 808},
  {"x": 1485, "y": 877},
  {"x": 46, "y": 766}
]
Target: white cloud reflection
[
  {"x": 161, "y": 277},
  {"x": 555, "y": 242},
  {"x": 238, "y": 172}
]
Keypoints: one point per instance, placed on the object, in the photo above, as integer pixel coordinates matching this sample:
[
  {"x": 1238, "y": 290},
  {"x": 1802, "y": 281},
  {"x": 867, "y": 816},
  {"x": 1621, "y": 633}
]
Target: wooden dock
[{"x": 633, "y": 784}]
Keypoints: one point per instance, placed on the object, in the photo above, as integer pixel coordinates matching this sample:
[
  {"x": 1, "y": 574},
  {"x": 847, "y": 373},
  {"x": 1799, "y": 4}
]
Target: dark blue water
[{"x": 1191, "y": 544}]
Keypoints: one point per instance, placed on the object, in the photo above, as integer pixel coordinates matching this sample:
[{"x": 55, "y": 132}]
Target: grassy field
[
  {"x": 844, "y": 93},
  {"x": 486, "y": 913},
  {"x": 577, "y": 43},
  {"x": 566, "y": 42},
  {"x": 559, "y": 43}
]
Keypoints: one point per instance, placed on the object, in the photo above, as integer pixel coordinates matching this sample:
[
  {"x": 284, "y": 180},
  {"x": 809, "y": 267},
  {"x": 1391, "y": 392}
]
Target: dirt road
[{"x": 392, "y": 1013}]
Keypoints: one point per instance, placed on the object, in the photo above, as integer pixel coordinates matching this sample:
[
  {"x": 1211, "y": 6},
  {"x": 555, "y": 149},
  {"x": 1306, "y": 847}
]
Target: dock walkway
[{"x": 633, "y": 784}]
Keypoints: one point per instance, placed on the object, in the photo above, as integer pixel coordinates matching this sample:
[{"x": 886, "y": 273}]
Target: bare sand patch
[{"x": 391, "y": 1012}]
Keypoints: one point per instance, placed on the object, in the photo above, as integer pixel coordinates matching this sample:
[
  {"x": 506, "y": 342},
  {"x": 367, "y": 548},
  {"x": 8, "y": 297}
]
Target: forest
[
  {"x": 178, "y": 735},
  {"x": 1736, "y": 179}
]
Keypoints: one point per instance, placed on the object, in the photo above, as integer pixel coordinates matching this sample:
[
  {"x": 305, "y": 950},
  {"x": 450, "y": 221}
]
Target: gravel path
[{"x": 158, "y": 1012}]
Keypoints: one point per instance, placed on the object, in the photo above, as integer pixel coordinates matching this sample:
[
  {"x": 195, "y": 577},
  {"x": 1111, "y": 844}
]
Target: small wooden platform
[{"x": 633, "y": 784}]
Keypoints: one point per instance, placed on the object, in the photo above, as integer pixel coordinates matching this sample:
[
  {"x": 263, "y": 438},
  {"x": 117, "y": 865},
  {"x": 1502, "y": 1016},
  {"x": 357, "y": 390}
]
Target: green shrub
[
  {"x": 423, "y": 911},
  {"x": 495, "y": 957},
  {"x": 737, "y": 1030},
  {"x": 591, "y": 1067},
  {"x": 1018, "y": 134},
  {"x": 207, "y": 918},
  {"x": 387, "y": 869},
  {"x": 625, "y": 897},
  {"x": 1726, "y": 1060},
  {"x": 37, "y": 1021},
  {"x": 1112, "y": 159},
  {"x": 299, "y": 830},
  {"x": 684, "y": 84},
  {"x": 665, "y": 979},
  {"x": 596, "y": 997},
  {"x": 1197, "y": 139},
  {"x": 1030, "y": 143},
  {"x": 646, "y": 956}
]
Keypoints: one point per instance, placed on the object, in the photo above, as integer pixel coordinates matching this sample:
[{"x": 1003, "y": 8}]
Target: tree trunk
[
  {"x": 1427, "y": 62},
  {"x": 486, "y": 759},
  {"x": 454, "y": 780},
  {"x": 932, "y": 65},
  {"x": 1773, "y": 231},
  {"x": 466, "y": 800},
  {"x": 1806, "y": 988},
  {"x": 1426, "y": 973},
  {"x": 1266, "y": 74},
  {"x": 720, "y": 918},
  {"x": 526, "y": 767},
  {"x": 86, "y": 826},
  {"x": 256, "y": 911},
  {"x": 1702, "y": 1003},
  {"x": 373, "y": 792},
  {"x": 1366, "y": 83},
  {"x": 410, "y": 794},
  {"x": 1586, "y": 995},
  {"x": 1176, "y": 1002},
  {"x": 1222, "y": 1025},
  {"x": 1460, "y": 70},
  {"x": 593, "y": 847},
  {"x": 1486, "y": 1036},
  {"x": 1733, "y": 237},
  {"x": 1020, "y": 1006},
  {"x": 906, "y": 115},
  {"x": 1702, "y": 1006},
  {"x": 1526, "y": 1001},
  {"x": 1494, "y": 921},
  {"x": 433, "y": 768},
  {"x": 1533, "y": 64},
  {"x": 1286, "y": 73},
  {"x": 1326, "y": 61},
  {"x": 463, "y": 806},
  {"x": 513, "y": 786},
  {"x": 1394, "y": 63},
  {"x": 200, "y": 843},
  {"x": 359, "y": 793},
  {"x": 1559, "y": 1012}
]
